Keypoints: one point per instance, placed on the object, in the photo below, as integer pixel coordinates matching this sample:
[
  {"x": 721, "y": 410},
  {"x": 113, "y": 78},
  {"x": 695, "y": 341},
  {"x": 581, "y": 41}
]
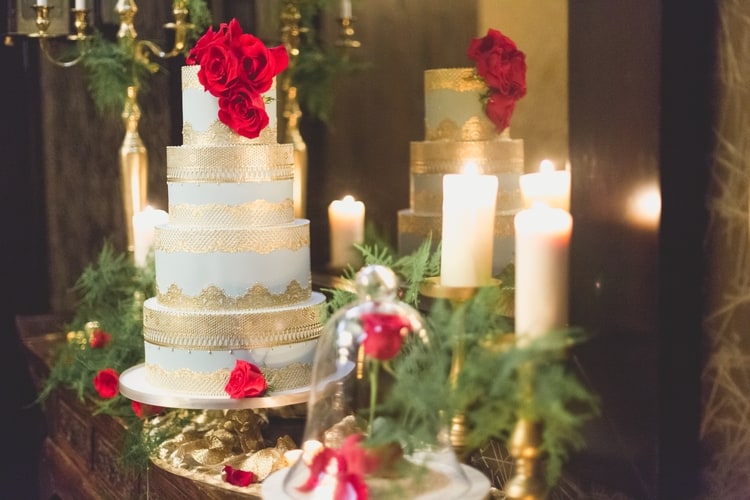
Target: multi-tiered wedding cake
[
  {"x": 232, "y": 264},
  {"x": 467, "y": 122}
]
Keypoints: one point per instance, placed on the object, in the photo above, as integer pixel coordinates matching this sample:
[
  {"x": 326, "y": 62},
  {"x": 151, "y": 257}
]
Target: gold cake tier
[
  {"x": 230, "y": 163},
  {"x": 449, "y": 157},
  {"x": 222, "y": 330},
  {"x": 262, "y": 240},
  {"x": 251, "y": 214},
  {"x": 426, "y": 224}
]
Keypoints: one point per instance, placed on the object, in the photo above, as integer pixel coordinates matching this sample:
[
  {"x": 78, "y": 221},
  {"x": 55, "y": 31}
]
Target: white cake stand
[{"x": 133, "y": 385}]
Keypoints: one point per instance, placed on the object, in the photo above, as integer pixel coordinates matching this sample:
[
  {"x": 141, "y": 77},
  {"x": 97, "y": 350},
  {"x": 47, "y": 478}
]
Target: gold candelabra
[
  {"x": 133, "y": 157},
  {"x": 290, "y": 117},
  {"x": 292, "y": 30}
]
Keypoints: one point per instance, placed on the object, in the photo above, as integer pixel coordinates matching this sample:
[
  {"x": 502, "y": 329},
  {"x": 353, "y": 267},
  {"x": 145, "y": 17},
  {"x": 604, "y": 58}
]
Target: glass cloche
[{"x": 357, "y": 443}]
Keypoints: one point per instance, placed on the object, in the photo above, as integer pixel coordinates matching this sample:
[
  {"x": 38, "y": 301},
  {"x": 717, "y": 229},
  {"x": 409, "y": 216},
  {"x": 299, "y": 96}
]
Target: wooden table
[{"x": 79, "y": 458}]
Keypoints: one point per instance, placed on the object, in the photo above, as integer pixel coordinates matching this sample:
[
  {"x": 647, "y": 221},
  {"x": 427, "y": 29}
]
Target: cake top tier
[
  {"x": 453, "y": 106},
  {"x": 228, "y": 88},
  {"x": 201, "y": 120}
]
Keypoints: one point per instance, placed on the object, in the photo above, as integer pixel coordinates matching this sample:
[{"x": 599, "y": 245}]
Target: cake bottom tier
[
  {"x": 415, "y": 227},
  {"x": 193, "y": 352},
  {"x": 206, "y": 373}
]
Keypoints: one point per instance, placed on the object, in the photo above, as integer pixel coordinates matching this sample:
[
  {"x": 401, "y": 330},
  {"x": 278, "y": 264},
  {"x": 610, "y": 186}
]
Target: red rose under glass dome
[{"x": 349, "y": 449}]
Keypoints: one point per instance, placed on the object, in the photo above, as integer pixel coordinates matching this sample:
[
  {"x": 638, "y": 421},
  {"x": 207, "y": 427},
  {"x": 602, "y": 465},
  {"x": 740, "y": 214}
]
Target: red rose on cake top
[
  {"x": 237, "y": 68},
  {"x": 503, "y": 68}
]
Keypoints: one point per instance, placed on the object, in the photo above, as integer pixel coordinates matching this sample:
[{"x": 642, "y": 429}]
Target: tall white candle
[
  {"x": 41, "y": 3},
  {"x": 144, "y": 224},
  {"x": 469, "y": 201},
  {"x": 548, "y": 185},
  {"x": 542, "y": 238},
  {"x": 80, "y": 5},
  {"x": 346, "y": 9},
  {"x": 347, "y": 220}
]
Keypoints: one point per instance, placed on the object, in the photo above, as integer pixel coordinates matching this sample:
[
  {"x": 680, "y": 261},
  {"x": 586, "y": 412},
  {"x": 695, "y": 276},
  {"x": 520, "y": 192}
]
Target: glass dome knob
[{"x": 376, "y": 283}]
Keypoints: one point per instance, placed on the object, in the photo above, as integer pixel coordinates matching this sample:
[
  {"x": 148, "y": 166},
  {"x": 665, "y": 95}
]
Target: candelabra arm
[
  {"x": 80, "y": 37},
  {"x": 144, "y": 49},
  {"x": 47, "y": 51}
]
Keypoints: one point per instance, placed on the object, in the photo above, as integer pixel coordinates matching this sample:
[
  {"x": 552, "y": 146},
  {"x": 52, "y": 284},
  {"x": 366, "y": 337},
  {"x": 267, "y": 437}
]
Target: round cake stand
[
  {"x": 133, "y": 385},
  {"x": 479, "y": 487}
]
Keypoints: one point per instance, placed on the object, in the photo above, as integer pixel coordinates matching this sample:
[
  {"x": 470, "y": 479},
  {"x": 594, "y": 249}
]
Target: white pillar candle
[
  {"x": 346, "y": 9},
  {"x": 347, "y": 220},
  {"x": 548, "y": 185},
  {"x": 542, "y": 238},
  {"x": 469, "y": 201},
  {"x": 144, "y": 224},
  {"x": 41, "y": 3},
  {"x": 80, "y": 5}
]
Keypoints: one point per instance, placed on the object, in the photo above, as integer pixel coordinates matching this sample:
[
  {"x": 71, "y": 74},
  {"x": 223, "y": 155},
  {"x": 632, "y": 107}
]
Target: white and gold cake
[
  {"x": 232, "y": 264},
  {"x": 458, "y": 132}
]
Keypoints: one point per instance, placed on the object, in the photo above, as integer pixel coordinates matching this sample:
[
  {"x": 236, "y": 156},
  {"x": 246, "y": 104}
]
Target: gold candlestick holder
[
  {"x": 458, "y": 296},
  {"x": 527, "y": 482},
  {"x": 42, "y": 21},
  {"x": 346, "y": 38},
  {"x": 291, "y": 30}
]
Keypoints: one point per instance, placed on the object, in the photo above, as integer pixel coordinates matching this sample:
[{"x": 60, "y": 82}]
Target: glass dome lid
[{"x": 358, "y": 443}]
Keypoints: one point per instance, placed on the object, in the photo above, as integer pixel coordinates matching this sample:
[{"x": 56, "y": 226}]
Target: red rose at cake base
[
  {"x": 107, "y": 383},
  {"x": 246, "y": 381},
  {"x": 143, "y": 410},
  {"x": 238, "y": 477}
]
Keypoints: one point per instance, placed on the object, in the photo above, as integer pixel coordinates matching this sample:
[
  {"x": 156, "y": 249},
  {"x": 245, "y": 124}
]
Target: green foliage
[
  {"x": 317, "y": 67},
  {"x": 111, "y": 292},
  {"x": 499, "y": 381},
  {"x": 115, "y": 65}
]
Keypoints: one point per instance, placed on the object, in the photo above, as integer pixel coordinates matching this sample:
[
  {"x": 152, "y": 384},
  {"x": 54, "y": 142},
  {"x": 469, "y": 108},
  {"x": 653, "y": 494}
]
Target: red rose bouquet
[
  {"x": 503, "y": 68},
  {"x": 238, "y": 68}
]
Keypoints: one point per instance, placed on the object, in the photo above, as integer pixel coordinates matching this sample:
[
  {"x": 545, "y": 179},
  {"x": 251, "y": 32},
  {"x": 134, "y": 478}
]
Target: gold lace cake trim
[
  {"x": 213, "y": 298},
  {"x": 189, "y": 78},
  {"x": 456, "y": 79},
  {"x": 444, "y": 157},
  {"x": 230, "y": 163},
  {"x": 476, "y": 128},
  {"x": 209, "y": 331},
  {"x": 433, "y": 202},
  {"x": 185, "y": 380},
  {"x": 424, "y": 225},
  {"x": 262, "y": 240},
  {"x": 251, "y": 214}
]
